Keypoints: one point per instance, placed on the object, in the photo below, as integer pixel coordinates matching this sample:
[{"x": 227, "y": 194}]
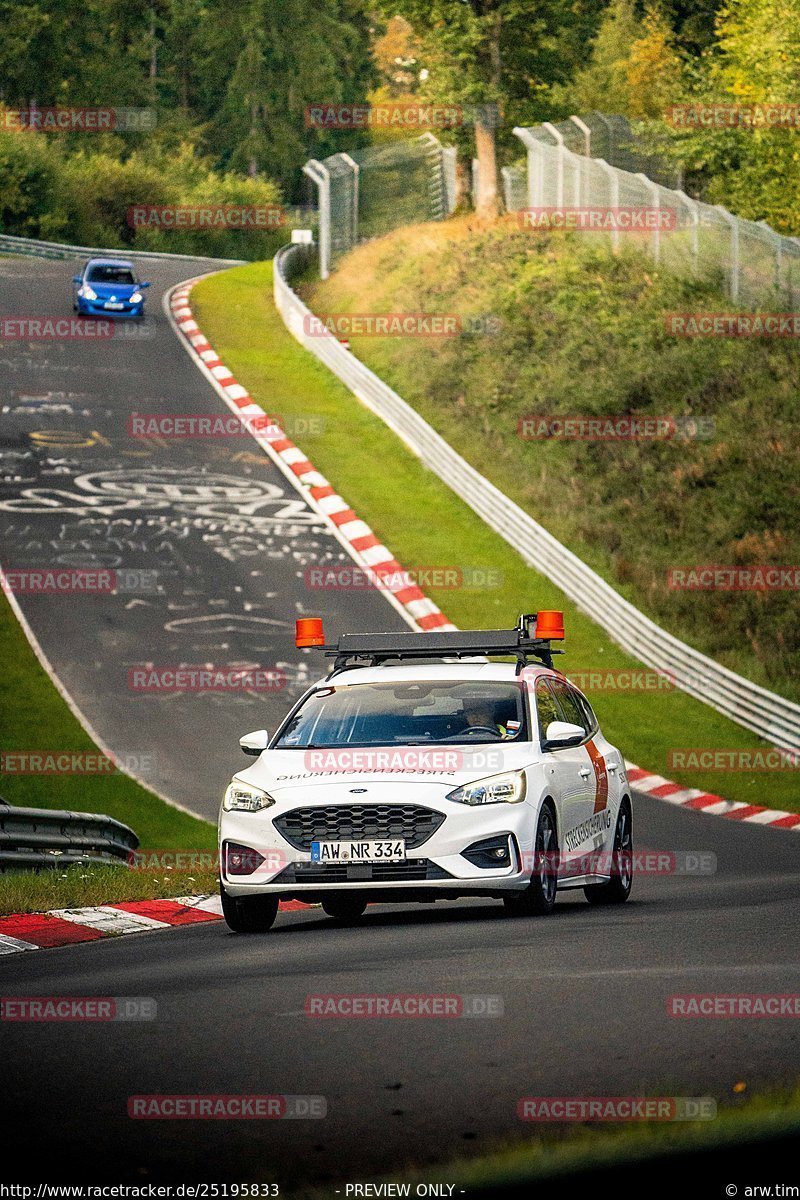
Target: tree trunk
[{"x": 488, "y": 199}]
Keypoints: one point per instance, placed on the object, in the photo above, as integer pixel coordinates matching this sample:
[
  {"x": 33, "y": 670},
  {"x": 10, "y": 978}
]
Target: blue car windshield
[
  {"x": 411, "y": 714},
  {"x": 110, "y": 274}
]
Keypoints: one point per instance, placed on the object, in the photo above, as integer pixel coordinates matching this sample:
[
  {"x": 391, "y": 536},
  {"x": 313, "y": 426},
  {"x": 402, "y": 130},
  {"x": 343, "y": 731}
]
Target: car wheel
[
  {"x": 345, "y": 910},
  {"x": 618, "y": 888},
  {"x": 248, "y": 914},
  {"x": 539, "y": 897}
]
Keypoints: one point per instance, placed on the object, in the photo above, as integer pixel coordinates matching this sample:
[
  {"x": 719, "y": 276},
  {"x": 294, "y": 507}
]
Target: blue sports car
[{"x": 108, "y": 287}]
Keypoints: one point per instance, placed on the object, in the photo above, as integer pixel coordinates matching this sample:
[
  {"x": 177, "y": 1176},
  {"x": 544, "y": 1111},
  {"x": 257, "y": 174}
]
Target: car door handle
[
  {"x": 585, "y": 773},
  {"x": 612, "y": 766}
]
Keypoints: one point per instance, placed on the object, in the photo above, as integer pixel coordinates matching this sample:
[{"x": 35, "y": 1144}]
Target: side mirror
[
  {"x": 254, "y": 743},
  {"x": 76, "y": 279},
  {"x": 145, "y": 284},
  {"x": 563, "y": 733}
]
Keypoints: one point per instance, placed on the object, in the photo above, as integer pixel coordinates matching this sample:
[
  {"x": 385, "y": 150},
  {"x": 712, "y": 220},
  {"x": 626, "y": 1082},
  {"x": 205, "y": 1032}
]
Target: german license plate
[
  {"x": 108, "y": 304},
  {"x": 358, "y": 852}
]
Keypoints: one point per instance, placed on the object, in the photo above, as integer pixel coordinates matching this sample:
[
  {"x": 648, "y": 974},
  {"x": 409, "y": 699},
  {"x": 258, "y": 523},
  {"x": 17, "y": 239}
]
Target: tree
[
  {"x": 465, "y": 42},
  {"x": 287, "y": 55},
  {"x": 603, "y": 83}
]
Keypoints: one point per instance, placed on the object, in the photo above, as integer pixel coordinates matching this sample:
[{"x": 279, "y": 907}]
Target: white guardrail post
[{"x": 765, "y": 713}]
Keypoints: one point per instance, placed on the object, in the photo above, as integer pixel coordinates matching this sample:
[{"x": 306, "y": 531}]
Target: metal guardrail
[
  {"x": 765, "y": 713},
  {"x": 17, "y": 245},
  {"x": 35, "y": 838}
]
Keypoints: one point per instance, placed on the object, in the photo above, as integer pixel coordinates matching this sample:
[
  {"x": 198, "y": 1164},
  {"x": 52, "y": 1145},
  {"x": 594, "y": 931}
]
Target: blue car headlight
[
  {"x": 87, "y": 293},
  {"x": 137, "y": 298}
]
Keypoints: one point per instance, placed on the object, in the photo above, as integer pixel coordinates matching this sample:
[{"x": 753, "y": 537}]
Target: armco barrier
[
  {"x": 33, "y": 838},
  {"x": 754, "y": 707},
  {"x": 17, "y": 245}
]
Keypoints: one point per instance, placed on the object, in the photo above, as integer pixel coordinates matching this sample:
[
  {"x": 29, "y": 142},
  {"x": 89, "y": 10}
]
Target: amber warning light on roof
[
  {"x": 309, "y": 632},
  {"x": 550, "y": 625}
]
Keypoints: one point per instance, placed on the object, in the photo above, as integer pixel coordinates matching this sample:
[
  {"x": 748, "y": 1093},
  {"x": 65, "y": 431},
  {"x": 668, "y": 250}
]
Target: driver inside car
[{"x": 479, "y": 714}]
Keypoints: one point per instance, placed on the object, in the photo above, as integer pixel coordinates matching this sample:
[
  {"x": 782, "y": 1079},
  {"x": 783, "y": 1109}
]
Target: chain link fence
[
  {"x": 377, "y": 189},
  {"x": 592, "y": 162},
  {"x": 754, "y": 264}
]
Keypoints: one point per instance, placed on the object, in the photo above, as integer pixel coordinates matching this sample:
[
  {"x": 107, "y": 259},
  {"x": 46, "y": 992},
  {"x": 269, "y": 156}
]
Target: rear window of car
[{"x": 109, "y": 274}]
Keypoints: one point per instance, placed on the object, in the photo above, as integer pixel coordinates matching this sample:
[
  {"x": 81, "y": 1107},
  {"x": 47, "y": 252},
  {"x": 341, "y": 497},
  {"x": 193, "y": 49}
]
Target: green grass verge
[
  {"x": 424, "y": 523},
  {"x": 580, "y": 331},
  {"x": 78, "y": 887},
  {"x": 36, "y": 718},
  {"x": 551, "y": 1154}
]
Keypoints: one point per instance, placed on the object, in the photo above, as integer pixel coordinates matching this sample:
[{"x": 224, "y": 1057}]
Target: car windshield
[
  {"x": 410, "y": 713},
  {"x": 106, "y": 273}
]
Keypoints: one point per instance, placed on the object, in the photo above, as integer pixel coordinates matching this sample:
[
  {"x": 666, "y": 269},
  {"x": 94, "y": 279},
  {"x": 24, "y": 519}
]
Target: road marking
[
  {"x": 107, "y": 919},
  {"x": 10, "y": 945}
]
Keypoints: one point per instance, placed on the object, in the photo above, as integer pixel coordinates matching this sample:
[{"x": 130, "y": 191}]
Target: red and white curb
[
  {"x": 708, "y": 802},
  {"x": 357, "y": 537},
  {"x": 66, "y": 926},
  {"x": 371, "y": 553}
]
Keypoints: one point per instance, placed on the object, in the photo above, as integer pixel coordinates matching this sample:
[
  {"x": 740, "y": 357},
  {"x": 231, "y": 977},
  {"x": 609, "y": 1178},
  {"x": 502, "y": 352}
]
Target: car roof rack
[{"x": 524, "y": 642}]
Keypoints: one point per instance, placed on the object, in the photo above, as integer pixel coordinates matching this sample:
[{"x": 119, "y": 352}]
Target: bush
[{"x": 85, "y": 197}]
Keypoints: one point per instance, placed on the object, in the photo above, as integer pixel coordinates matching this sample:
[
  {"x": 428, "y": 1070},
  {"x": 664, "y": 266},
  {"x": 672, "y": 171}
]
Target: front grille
[
  {"x": 417, "y": 870},
  {"x": 358, "y": 822}
]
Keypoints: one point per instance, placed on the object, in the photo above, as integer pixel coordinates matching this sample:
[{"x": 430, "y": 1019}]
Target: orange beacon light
[
  {"x": 550, "y": 625},
  {"x": 309, "y": 632}
]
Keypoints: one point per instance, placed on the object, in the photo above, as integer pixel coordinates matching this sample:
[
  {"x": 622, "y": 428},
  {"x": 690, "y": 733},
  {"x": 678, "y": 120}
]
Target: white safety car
[{"x": 400, "y": 778}]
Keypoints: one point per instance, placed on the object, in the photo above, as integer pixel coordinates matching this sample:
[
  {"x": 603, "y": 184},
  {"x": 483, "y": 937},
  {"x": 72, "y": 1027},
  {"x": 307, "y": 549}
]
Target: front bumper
[
  {"x": 90, "y": 308},
  {"x": 436, "y": 867}
]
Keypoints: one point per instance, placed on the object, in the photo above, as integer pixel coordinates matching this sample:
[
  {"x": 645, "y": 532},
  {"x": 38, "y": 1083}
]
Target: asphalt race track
[
  {"x": 225, "y": 534},
  {"x": 584, "y": 993}
]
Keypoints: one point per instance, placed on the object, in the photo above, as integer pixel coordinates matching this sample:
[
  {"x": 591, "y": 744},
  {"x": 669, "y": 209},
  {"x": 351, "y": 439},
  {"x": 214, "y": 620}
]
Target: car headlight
[
  {"x": 242, "y": 798},
  {"x": 495, "y": 789},
  {"x": 87, "y": 292},
  {"x": 136, "y": 298}
]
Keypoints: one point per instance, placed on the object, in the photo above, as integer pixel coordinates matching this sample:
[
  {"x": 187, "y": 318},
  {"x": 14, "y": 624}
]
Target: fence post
[
  {"x": 558, "y": 135},
  {"x": 587, "y": 135},
  {"x": 505, "y": 176},
  {"x": 356, "y": 184},
  {"x": 694, "y": 209},
  {"x": 653, "y": 188},
  {"x": 437, "y": 180},
  {"x": 449, "y": 165},
  {"x": 791, "y": 271},
  {"x": 610, "y": 135},
  {"x": 777, "y": 244},
  {"x": 320, "y": 175},
  {"x": 535, "y": 180},
  {"x": 587, "y": 153},
  {"x": 735, "y": 265},
  {"x": 613, "y": 179}
]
